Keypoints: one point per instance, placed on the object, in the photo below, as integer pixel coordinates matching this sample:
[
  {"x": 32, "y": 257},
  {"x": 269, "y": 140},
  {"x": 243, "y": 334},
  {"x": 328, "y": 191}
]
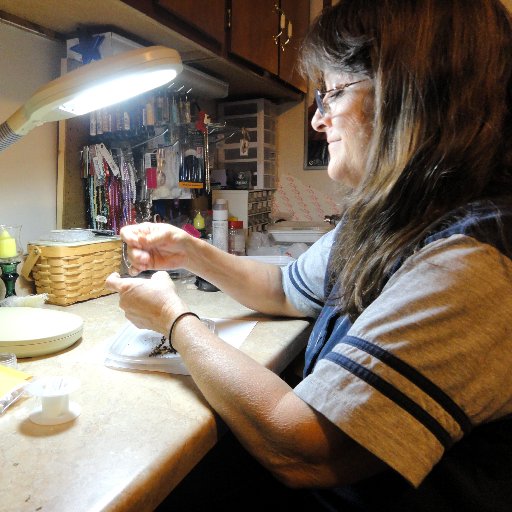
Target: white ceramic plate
[{"x": 31, "y": 332}]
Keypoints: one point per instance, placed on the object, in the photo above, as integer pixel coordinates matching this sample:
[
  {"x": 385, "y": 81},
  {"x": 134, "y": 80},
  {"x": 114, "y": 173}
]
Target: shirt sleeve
[
  {"x": 303, "y": 279},
  {"x": 429, "y": 359}
]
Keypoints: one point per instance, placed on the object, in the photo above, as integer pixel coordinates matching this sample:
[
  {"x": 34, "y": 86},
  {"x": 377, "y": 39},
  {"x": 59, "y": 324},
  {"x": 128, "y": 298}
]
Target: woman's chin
[{"x": 343, "y": 174}]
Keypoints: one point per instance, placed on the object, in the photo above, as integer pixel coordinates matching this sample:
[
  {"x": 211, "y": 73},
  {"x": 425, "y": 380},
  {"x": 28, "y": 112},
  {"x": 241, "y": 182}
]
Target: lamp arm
[
  {"x": 16, "y": 127},
  {"x": 7, "y": 136}
]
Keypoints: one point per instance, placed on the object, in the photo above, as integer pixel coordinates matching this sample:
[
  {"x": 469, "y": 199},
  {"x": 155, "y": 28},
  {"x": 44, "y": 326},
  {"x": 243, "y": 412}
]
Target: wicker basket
[{"x": 72, "y": 272}]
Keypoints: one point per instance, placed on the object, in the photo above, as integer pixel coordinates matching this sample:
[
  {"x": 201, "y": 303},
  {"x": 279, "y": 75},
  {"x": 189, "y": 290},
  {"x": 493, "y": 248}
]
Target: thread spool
[{"x": 55, "y": 407}]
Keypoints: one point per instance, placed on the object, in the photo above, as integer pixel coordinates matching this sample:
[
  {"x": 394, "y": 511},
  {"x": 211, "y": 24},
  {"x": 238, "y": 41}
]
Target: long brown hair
[{"x": 442, "y": 74}]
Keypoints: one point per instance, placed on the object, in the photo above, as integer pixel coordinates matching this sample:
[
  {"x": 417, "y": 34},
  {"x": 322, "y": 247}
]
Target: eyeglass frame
[{"x": 320, "y": 96}]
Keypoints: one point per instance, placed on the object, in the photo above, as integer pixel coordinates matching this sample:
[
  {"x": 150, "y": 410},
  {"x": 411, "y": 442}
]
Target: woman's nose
[{"x": 318, "y": 122}]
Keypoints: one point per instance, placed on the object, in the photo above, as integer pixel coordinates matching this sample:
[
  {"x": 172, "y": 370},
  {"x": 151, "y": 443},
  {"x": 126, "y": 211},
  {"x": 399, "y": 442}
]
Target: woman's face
[{"x": 348, "y": 124}]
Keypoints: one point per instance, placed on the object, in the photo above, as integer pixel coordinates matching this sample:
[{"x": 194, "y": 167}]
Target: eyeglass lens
[{"x": 322, "y": 106}]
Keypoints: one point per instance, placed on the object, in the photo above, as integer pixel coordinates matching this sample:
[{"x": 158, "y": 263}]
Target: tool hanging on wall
[
  {"x": 160, "y": 162},
  {"x": 194, "y": 170},
  {"x": 202, "y": 125},
  {"x": 244, "y": 142},
  {"x": 150, "y": 168}
]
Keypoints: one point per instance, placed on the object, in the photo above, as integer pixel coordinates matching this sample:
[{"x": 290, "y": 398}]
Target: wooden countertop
[{"x": 138, "y": 434}]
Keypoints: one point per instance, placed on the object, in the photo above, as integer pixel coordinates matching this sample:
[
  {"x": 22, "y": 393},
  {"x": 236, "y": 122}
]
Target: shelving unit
[
  {"x": 257, "y": 118},
  {"x": 250, "y": 206}
]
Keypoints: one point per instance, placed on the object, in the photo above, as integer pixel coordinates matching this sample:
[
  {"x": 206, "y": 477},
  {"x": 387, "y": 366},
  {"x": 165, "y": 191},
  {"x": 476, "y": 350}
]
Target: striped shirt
[{"x": 431, "y": 357}]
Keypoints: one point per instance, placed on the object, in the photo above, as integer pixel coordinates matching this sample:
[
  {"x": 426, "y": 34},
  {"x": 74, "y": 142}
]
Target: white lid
[
  {"x": 132, "y": 348},
  {"x": 220, "y": 202}
]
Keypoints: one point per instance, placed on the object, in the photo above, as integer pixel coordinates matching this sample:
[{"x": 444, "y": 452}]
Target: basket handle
[{"x": 30, "y": 261}]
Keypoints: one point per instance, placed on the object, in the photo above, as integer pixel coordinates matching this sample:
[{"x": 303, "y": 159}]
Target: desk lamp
[
  {"x": 88, "y": 88},
  {"x": 91, "y": 87}
]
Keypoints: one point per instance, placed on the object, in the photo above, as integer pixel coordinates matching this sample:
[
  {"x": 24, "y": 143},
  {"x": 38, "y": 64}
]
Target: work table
[{"x": 139, "y": 433}]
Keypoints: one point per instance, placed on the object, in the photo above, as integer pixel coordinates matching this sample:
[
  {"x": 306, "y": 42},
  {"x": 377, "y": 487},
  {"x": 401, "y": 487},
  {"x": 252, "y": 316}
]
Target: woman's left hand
[{"x": 148, "y": 303}]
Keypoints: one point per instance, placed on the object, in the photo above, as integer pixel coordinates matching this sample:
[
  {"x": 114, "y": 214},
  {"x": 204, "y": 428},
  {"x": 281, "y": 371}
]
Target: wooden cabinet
[
  {"x": 297, "y": 11},
  {"x": 204, "y": 17},
  {"x": 260, "y": 35},
  {"x": 197, "y": 29},
  {"x": 253, "y": 28}
]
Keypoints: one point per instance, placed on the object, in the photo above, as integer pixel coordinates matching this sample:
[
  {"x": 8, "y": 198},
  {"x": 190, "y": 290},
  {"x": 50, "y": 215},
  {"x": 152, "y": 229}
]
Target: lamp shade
[{"x": 93, "y": 86}]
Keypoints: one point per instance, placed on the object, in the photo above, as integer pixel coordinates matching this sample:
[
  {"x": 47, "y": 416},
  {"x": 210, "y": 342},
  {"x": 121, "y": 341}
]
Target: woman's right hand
[{"x": 156, "y": 246}]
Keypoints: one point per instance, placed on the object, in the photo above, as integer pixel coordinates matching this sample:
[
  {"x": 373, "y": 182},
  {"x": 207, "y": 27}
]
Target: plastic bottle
[
  {"x": 220, "y": 224},
  {"x": 236, "y": 237}
]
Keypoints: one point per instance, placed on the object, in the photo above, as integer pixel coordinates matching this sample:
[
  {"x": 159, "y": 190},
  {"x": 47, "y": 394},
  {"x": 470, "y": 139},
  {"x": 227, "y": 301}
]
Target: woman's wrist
[{"x": 175, "y": 323}]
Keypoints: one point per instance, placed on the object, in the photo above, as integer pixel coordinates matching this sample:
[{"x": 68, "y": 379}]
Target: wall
[
  {"x": 28, "y": 169},
  {"x": 290, "y": 143}
]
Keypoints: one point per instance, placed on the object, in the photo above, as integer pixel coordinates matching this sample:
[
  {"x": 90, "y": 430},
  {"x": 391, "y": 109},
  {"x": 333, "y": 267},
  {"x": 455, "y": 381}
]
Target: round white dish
[{"x": 31, "y": 332}]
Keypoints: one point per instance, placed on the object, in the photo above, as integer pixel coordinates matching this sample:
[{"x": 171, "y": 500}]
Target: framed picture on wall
[{"x": 316, "y": 150}]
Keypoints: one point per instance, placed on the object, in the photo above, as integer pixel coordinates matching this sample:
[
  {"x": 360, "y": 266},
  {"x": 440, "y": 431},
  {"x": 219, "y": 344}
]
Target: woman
[{"x": 407, "y": 381}]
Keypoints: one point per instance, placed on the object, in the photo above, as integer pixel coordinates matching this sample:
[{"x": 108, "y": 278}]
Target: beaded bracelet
[{"x": 179, "y": 317}]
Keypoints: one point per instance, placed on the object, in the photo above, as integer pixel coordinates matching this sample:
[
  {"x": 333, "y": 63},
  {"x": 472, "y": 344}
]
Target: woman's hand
[
  {"x": 148, "y": 303},
  {"x": 156, "y": 246}
]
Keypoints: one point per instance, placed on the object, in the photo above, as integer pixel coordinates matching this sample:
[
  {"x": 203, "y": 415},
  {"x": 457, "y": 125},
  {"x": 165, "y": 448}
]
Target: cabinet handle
[
  {"x": 289, "y": 33},
  {"x": 282, "y": 23}
]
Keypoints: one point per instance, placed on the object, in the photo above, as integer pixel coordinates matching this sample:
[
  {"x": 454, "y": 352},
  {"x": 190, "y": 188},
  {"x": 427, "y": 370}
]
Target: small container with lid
[{"x": 236, "y": 237}]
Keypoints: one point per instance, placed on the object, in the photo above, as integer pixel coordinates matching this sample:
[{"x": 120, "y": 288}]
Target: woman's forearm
[
  {"x": 296, "y": 444},
  {"x": 254, "y": 284}
]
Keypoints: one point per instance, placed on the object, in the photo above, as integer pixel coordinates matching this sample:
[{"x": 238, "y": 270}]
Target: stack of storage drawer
[
  {"x": 257, "y": 119},
  {"x": 250, "y": 206}
]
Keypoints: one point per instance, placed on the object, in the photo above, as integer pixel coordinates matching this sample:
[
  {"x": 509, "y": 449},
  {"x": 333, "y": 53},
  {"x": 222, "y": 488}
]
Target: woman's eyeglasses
[{"x": 325, "y": 99}]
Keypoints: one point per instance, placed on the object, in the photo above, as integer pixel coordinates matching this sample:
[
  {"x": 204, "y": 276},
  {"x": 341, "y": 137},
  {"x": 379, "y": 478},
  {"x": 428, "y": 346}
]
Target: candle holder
[{"x": 10, "y": 256}]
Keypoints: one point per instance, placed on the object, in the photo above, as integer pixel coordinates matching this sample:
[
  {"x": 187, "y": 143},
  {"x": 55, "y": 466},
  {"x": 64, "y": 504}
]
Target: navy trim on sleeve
[
  {"x": 487, "y": 220},
  {"x": 395, "y": 395},
  {"x": 301, "y": 289},
  {"x": 419, "y": 380}
]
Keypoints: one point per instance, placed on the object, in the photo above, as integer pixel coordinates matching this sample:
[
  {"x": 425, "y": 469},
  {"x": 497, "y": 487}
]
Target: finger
[
  {"x": 135, "y": 271},
  {"x": 158, "y": 235},
  {"x": 139, "y": 256},
  {"x": 130, "y": 236},
  {"x": 113, "y": 282},
  {"x": 135, "y": 234},
  {"x": 161, "y": 275}
]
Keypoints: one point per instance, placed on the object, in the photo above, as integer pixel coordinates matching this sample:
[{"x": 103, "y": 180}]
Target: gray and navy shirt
[{"x": 431, "y": 357}]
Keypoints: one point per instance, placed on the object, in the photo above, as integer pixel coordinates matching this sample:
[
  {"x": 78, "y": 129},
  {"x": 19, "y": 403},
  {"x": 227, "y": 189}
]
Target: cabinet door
[
  {"x": 205, "y": 16},
  {"x": 297, "y": 13},
  {"x": 253, "y": 27}
]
